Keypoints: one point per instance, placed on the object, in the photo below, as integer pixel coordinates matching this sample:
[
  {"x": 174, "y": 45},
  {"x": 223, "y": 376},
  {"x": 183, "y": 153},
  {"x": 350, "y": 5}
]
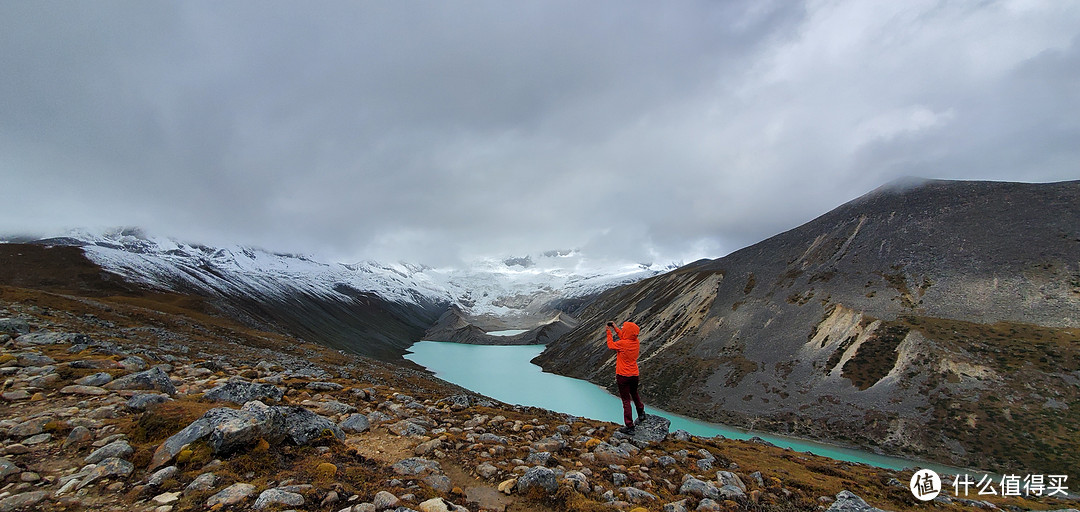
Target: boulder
[
  {"x": 23, "y": 501},
  {"x": 8, "y": 468},
  {"x": 14, "y": 326},
  {"x": 847, "y": 501},
  {"x": 95, "y": 379},
  {"x": 109, "y": 467},
  {"x": 225, "y": 430},
  {"x": 355, "y": 423},
  {"x": 241, "y": 392},
  {"x": 699, "y": 488},
  {"x": 416, "y": 466},
  {"x": 635, "y": 495},
  {"x": 303, "y": 426},
  {"x": 143, "y": 400},
  {"x": 119, "y": 449},
  {"x": 651, "y": 429},
  {"x": 538, "y": 477},
  {"x": 276, "y": 497},
  {"x": 154, "y": 378},
  {"x": 230, "y": 496}
]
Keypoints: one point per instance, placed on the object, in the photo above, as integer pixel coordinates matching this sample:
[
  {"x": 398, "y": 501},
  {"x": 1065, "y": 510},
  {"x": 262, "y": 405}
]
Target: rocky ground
[{"x": 111, "y": 405}]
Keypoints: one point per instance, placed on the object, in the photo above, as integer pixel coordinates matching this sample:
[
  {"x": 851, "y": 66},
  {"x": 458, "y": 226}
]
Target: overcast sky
[{"x": 433, "y": 131}]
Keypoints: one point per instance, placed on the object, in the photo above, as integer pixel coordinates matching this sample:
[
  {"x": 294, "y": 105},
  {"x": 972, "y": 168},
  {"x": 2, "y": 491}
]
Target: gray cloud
[{"x": 428, "y": 131}]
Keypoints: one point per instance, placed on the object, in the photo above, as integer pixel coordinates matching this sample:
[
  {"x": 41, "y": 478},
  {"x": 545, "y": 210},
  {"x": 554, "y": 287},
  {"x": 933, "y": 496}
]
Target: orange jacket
[{"x": 627, "y": 347}]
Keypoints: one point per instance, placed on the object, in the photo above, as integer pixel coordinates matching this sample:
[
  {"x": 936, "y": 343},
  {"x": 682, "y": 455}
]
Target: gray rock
[
  {"x": 681, "y": 435},
  {"x": 94, "y": 364},
  {"x": 651, "y": 429},
  {"x": 119, "y": 449},
  {"x": 538, "y": 477},
  {"x": 355, "y": 423},
  {"x": 160, "y": 476},
  {"x": 538, "y": 458},
  {"x": 26, "y": 359},
  {"x": 377, "y": 417},
  {"x": 303, "y": 426},
  {"x": 325, "y": 386},
  {"x": 31, "y": 427},
  {"x": 271, "y": 497},
  {"x": 231, "y": 495},
  {"x": 22, "y": 501},
  {"x": 108, "y": 468},
  {"x": 486, "y": 470},
  {"x": 608, "y": 454},
  {"x": 427, "y": 447},
  {"x": 407, "y": 428},
  {"x": 676, "y": 506},
  {"x": 95, "y": 379},
  {"x": 134, "y": 364},
  {"x": 549, "y": 444},
  {"x": 335, "y": 407},
  {"x": 8, "y": 468},
  {"x": 635, "y": 495},
  {"x": 384, "y": 500},
  {"x": 154, "y": 378},
  {"x": 142, "y": 401},
  {"x": 47, "y": 338},
  {"x": 699, "y": 488},
  {"x": 240, "y": 392},
  {"x": 416, "y": 466},
  {"x": 847, "y": 501},
  {"x": 78, "y": 436},
  {"x": 666, "y": 460},
  {"x": 440, "y": 483},
  {"x": 724, "y": 478},
  {"x": 708, "y": 505},
  {"x": 489, "y": 438},
  {"x": 225, "y": 430},
  {"x": 76, "y": 389},
  {"x": 203, "y": 482},
  {"x": 14, "y": 326}
]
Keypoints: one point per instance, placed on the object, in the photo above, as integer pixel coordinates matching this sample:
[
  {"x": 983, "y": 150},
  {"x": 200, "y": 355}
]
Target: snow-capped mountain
[{"x": 492, "y": 287}]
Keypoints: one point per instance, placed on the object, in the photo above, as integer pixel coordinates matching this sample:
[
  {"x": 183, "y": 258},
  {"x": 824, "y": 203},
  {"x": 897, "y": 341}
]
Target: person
[{"x": 626, "y": 370}]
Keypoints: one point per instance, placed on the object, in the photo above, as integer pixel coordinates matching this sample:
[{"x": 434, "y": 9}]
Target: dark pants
[{"x": 628, "y": 391}]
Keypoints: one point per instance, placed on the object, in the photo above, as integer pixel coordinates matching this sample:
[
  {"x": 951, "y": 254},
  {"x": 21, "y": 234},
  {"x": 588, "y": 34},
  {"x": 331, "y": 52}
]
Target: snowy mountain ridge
[{"x": 502, "y": 288}]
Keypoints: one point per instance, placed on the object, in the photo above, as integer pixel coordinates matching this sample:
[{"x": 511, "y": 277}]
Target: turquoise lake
[{"x": 505, "y": 373}]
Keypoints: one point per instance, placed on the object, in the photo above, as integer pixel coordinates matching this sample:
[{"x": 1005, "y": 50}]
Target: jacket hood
[{"x": 630, "y": 330}]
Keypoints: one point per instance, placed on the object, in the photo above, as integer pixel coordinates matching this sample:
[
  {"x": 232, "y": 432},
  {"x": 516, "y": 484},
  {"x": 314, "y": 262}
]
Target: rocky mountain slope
[
  {"x": 936, "y": 319},
  {"x": 115, "y": 402}
]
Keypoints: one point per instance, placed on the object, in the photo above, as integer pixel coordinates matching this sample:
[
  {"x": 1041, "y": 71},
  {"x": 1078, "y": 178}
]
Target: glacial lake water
[{"x": 505, "y": 373}]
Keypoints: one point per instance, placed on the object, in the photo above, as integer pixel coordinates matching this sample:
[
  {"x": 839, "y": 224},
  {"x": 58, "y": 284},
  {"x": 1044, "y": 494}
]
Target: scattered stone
[
  {"x": 651, "y": 429},
  {"x": 635, "y": 495},
  {"x": 676, "y": 506},
  {"x": 83, "y": 390},
  {"x": 847, "y": 501},
  {"x": 166, "y": 497},
  {"x": 325, "y": 386},
  {"x": 225, "y": 430},
  {"x": 406, "y": 428},
  {"x": 273, "y": 497},
  {"x": 203, "y": 482},
  {"x": 440, "y": 483},
  {"x": 440, "y": 505},
  {"x": 133, "y": 364},
  {"x": 22, "y": 501},
  {"x": 154, "y": 378},
  {"x": 14, "y": 326},
  {"x": 699, "y": 488},
  {"x": 141, "y": 401},
  {"x": 112, "y": 466},
  {"x": 95, "y": 364},
  {"x": 538, "y": 477},
  {"x": 507, "y": 486},
  {"x": 119, "y": 449},
  {"x": 486, "y": 470},
  {"x": 95, "y": 379},
  {"x": 427, "y": 447},
  {"x": 162, "y": 475},
  {"x": 241, "y": 392},
  {"x": 38, "y": 439},
  {"x": 303, "y": 426},
  {"x": 384, "y": 500},
  {"x": 231, "y": 495},
  {"x": 13, "y": 396},
  {"x": 7, "y": 468},
  {"x": 415, "y": 466},
  {"x": 355, "y": 423}
]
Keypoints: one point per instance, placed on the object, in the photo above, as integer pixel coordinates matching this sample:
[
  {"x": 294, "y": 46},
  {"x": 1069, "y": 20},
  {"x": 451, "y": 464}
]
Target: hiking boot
[
  {"x": 640, "y": 419},
  {"x": 627, "y": 430}
]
